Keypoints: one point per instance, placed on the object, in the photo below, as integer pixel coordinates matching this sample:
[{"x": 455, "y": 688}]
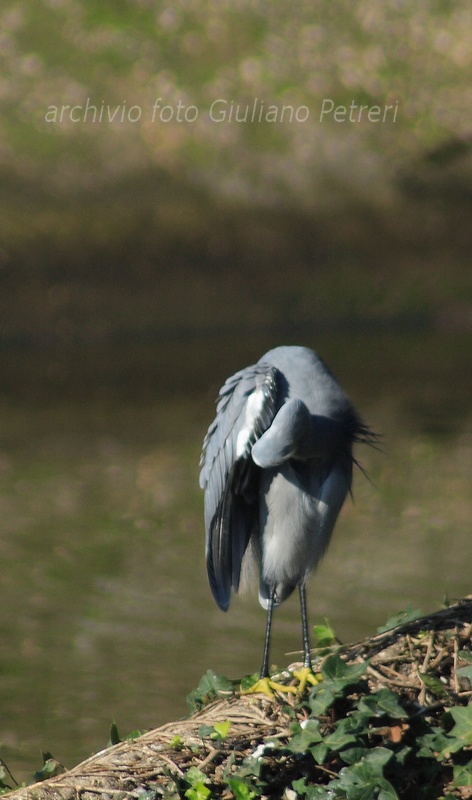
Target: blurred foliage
[
  {"x": 131, "y": 192},
  {"x": 123, "y": 57}
]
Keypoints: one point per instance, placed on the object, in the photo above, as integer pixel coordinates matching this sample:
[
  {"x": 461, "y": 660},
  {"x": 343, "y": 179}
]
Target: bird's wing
[{"x": 245, "y": 409}]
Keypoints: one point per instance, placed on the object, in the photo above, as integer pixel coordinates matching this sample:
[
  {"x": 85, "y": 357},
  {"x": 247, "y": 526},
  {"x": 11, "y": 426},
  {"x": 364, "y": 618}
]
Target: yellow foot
[
  {"x": 269, "y": 687},
  {"x": 305, "y": 675}
]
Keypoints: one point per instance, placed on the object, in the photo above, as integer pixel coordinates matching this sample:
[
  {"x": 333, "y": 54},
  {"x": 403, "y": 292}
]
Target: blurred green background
[
  {"x": 184, "y": 186},
  {"x": 147, "y": 221}
]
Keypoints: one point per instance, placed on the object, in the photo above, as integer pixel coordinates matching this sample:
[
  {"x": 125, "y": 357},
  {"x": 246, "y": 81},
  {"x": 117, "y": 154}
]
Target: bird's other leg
[
  {"x": 305, "y": 633},
  {"x": 305, "y": 674},
  {"x": 265, "y": 684},
  {"x": 265, "y": 657}
]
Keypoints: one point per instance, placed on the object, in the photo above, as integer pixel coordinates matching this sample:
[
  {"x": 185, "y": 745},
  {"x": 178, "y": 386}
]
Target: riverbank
[{"x": 390, "y": 716}]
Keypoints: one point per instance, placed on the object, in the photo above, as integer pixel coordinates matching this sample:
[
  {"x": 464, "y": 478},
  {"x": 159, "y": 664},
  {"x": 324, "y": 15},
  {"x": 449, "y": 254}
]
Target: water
[{"x": 105, "y": 609}]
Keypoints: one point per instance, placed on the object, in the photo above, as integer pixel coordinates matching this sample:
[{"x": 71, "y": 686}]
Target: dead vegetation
[{"x": 390, "y": 715}]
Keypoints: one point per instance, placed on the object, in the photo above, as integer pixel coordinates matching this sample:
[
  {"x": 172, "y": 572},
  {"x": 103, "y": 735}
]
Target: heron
[{"x": 276, "y": 466}]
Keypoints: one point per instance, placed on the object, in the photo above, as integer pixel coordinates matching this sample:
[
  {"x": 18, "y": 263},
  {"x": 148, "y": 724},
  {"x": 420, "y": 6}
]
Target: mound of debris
[{"x": 389, "y": 717}]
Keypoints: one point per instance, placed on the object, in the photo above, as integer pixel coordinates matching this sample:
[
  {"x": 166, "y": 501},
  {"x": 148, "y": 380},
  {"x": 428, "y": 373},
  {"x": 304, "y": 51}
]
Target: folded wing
[{"x": 245, "y": 409}]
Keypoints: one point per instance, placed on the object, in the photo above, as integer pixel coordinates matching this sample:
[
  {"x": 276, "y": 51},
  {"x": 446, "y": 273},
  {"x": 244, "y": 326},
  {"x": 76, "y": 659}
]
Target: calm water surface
[{"x": 105, "y": 611}]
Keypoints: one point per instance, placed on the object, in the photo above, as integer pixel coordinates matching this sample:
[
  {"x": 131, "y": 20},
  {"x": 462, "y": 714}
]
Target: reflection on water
[{"x": 105, "y": 611}]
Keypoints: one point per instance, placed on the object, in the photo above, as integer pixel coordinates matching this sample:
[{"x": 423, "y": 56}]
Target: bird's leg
[
  {"x": 265, "y": 657},
  {"x": 305, "y": 674},
  {"x": 265, "y": 685},
  {"x": 305, "y": 633}
]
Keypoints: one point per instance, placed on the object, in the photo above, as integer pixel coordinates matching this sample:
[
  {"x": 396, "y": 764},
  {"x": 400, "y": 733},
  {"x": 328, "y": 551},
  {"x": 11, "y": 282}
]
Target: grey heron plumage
[{"x": 276, "y": 467}]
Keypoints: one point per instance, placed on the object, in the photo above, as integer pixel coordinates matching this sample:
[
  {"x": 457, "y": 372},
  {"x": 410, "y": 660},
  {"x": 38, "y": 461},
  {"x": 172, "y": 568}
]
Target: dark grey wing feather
[{"x": 245, "y": 409}]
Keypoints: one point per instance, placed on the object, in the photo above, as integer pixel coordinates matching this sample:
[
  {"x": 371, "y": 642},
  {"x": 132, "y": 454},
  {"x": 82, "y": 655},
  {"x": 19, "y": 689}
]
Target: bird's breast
[
  {"x": 299, "y": 504},
  {"x": 290, "y": 515}
]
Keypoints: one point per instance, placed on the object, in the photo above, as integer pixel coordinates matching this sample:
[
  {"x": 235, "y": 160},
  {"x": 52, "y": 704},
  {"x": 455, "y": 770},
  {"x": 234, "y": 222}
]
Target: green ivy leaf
[
  {"x": 378, "y": 758},
  {"x": 195, "y": 776},
  {"x": 433, "y": 745},
  {"x": 198, "y": 792},
  {"x": 176, "y": 742},
  {"x": 320, "y": 699},
  {"x": 50, "y": 768},
  {"x": 433, "y": 684},
  {"x": 319, "y": 752},
  {"x": 337, "y": 740},
  {"x": 364, "y": 780},
  {"x": 249, "y": 681},
  {"x": 133, "y": 735},
  {"x": 402, "y": 755},
  {"x": 339, "y": 675},
  {"x": 197, "y": 780},
  {"x": 222, "y": 728},
  {"x": 353, "y": 754},
  {"x": 462, "y": 774},
  {"x": 381, "y": 703},
  {"x": 462, "y": 730},
  {"x": 115, "y": 737},
  {"x": 323, "y": 636},
  {"x": 465, "y": 655},
  {"x": 217, "y": 731},
  {"x": 408, "y": 615},
  {"x": 465, "y": 672},
  {"x": 310, "y": 791},
  {"x": 241, "y": 790},
  {"x": 205, "y": 730},
  {"x": 308, "y": 735},
  {"x": 344, "y": 733},
  {"x": 210, "y": 687}
]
